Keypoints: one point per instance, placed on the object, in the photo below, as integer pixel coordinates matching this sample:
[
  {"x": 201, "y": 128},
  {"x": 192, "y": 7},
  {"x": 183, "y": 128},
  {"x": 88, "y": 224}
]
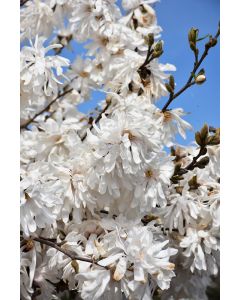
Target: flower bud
[
  {"x": 192, "y": 35},
  {"x": 213, "y": 140},
  {"x": 213, "y": 42},
  {"x": 29, "y": 245},
  {"x": 150, "y": 39},
  {"x": 108, "y": 99},
  {"x": 202, "y": 163},
  {"x": 169, "y": 88},
  {"x": 192, "y": 38},
  {"x": 200, "y": 79},
  {"x": 193, "y": 184},
  {"x": 158, "y": 49},
  {"x": 75, "y": 266},
  {"x": 172, "y": 82},
  {"x": 204, "y": 132},
  {"x": 198, "y": 138}
]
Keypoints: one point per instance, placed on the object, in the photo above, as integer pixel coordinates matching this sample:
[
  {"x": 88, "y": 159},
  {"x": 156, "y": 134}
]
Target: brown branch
[
  {"x": 22, "y": 2},
  {"x": 192, "y": 165},
  {"x": 45, "y": 108},
  {"x": 147, "y": 60},
  {"x": 97, "y": 119},
  {"x": 190, "y": 82},
  {"x": 72, "y": 256}
]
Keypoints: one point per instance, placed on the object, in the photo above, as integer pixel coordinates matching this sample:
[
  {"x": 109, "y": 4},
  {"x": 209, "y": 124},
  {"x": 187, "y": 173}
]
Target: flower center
[
  {"x": 167, "y": 116},
  {"x": 130, "y": 135},
  {"x": 149, "y": 173},
  {"x": 29, "y": 245},
  {"x": 84, "y": 74}
]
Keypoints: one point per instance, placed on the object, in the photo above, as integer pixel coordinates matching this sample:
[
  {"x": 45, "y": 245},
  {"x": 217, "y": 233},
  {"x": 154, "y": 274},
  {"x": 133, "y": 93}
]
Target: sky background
[{"x": 201, "y": 102}]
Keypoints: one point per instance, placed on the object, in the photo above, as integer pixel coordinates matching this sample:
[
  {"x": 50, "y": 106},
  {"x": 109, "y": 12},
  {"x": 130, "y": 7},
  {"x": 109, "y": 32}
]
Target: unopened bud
[
  {"x": 172, "y": 82},
  {"x": 158, "y": 49},
  {"x": 192, "y": 35},
  {"x": 157, "y": 54},
  {"x": 108, "y": 99},
  {"x": 193, "y": 46},
  {"x": 200, "y": 79},
  {"x": 150, "y": 39},
  {"x": 29, "y": 245},
  {"x": 198, "y": 138},
  {"x": 204, "y": 132},
  {"x": 201, "y": 164},
  {"x": 75, "y": 265},
  {"x": 213, "y": 42},
  {"x": 193, "y": 184},
  {"x": 169, "y": 88},
  {"x": 213, "y": 140}
]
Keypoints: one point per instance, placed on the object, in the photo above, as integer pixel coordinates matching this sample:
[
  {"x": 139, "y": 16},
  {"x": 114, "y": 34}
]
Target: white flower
[
  {"x": 181, "y": 209},
  {"x": 199, "y": 244},
  {"x": 40, "y": 203},
  {"x": 90, "y": 15},
  {"x": 126, "y": 71},
  {"x": 36, "y": 19},
  {"x": 95, "y": 283},
  {"x": 153, "y": 182},
  {"x": 171, "y": 123},
  {"x": 147, "y": 256},
  {"x": 103, "y": 208},
  {"x": 37, "y": 69}
]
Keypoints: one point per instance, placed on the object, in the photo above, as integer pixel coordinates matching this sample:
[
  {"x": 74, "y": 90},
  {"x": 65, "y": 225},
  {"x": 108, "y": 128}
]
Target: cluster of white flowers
[{"x": 106, "y": 211}]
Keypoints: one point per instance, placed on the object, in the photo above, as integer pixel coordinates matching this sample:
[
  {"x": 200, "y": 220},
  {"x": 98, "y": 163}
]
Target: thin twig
[
  {"x": 97, "y": 119},
  {"x": 45, "y": 108},
  {"x": 195, "y": 158},
  {"x": 22, "y": 2},
  {"x": 147, "y": 60},
  {"x": 54, "y": 245},
  {"x": 190, "y": 82}
]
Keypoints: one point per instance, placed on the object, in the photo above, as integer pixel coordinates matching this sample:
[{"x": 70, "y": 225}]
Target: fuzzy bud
[
  {"x": 200, "y": 79},
  {"x": 150, "y": 39},
  {"x": 158, "y": 49},
  {"x": 202, "y": 163},
  {"x": 75, "y": 266}
]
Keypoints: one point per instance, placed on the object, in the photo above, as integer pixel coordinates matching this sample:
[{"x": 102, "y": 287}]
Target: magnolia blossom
[
  {"x": 195, "y": 242},
  {"x": 137, "y": 248},
  {"x": 107, "y": 209},
  {"x": 37, "y": 68}
]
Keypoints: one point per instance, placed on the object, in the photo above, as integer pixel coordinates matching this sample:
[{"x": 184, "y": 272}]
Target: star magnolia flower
[
  {"x": 100, "y": 185},
  {"x": 152, "y": 184},
  {"x": 181, "y": 209},
  {"x": 40, "y": 204},
  {"x": 90, "y": 15},
  {"x": 199, "y": 244},
  {"x": 37, "y": 69},
  {"x": 36, "y": 18},
  {"x": 171, "y": 123},
  {"x": 95, "y": 283},
  {"x": 147, "y": 256}
]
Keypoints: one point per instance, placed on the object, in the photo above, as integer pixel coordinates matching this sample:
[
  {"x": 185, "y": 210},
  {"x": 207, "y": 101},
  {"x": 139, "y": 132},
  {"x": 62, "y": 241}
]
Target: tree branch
[
  {"x": 22, "y": 2},
  {"x": 192, "y": 165},
  {"x": 195, "y": 68},
  {"x": 45, "y": 109},
  {"x": 97, "y": 119},
  {"x": 72, "y": 256}
]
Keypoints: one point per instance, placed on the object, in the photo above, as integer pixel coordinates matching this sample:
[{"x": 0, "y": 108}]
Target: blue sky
[{"x": 176, "y": 17}]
